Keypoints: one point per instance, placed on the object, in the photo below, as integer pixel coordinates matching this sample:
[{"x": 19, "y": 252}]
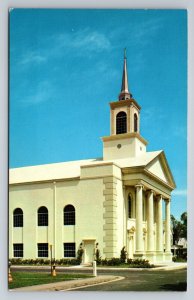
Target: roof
[
  {"x": 71, "y": 169},
  {"x": 138, "y": 161}
]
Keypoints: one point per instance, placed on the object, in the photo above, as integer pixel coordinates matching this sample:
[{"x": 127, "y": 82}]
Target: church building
[{"x": 105, "y": 203}]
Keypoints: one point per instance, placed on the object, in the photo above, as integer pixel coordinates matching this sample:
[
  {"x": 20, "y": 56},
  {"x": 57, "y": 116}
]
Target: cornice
[
  {"x": 125, "y": 136},
  {"x": 127, "y": 103},
  {"x": 141, "y": 169},
  {"x": 149, "y": 174},
  {"x": 43, "y": 181}
]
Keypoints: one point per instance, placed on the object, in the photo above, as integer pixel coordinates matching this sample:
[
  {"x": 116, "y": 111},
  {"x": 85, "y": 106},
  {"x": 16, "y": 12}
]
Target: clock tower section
[{"x": 125, "y": 140}]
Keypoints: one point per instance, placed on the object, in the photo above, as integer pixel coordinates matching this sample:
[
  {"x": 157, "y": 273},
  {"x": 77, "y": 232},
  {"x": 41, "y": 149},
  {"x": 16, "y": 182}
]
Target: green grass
[
  {"x": 117, "y": 266},
  {"x": 126, "y": 266},
  {"x": 22, "y": 279}
]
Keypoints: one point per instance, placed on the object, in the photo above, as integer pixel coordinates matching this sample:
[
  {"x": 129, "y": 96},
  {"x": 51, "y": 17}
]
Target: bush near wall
[
  {"x": 139, "y": 263},
  {"x": 131, "y": 263},
  {"x": 179, "y": 259},
  {"x": 41, "y": 261}
]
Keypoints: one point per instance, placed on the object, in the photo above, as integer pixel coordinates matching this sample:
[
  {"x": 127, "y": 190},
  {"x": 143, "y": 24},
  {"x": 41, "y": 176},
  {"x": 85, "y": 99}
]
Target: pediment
[{"x": 160, "y": 168}]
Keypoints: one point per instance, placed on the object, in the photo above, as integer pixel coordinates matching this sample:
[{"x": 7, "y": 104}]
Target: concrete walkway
[
  {"x": 170, "y": 266},
  {"x": 69, "y": 285},
  {"x": 159, "y": 266}
]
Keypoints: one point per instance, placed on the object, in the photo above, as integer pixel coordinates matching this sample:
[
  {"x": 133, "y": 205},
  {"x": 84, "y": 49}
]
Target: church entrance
[{"x": 89, "y": 246}]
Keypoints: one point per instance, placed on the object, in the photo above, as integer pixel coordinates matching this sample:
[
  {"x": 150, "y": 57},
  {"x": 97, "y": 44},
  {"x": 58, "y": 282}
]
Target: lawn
[{"x": 21, "y": 279}]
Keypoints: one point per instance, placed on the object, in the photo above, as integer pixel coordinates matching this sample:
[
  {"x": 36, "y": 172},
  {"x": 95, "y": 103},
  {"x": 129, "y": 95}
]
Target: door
[{"x": 89, "y": 252}]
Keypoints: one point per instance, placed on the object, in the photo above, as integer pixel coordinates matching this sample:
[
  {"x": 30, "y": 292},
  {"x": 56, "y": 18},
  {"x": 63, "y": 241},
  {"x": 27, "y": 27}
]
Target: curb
[
  {"x": 157, "y": 268},
  {"x": 118, "y": 278},
  {"x": 69, "y": 285},
  {"x": 169, "y": 268}
]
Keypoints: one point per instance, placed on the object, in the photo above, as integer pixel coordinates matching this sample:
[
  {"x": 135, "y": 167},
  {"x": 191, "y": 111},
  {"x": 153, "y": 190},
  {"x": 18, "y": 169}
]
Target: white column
[
  {"x": 139, "y": 218},
  {"x": 159, "y": 225},
  {"x": 167, "y": 226},
  {"x": 150, "y": 221},
  {"x": 54, "y": 221}
]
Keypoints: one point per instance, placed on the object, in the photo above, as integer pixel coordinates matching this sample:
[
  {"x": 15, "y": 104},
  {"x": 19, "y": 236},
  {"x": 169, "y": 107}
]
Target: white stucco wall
[
  {"x": 85, "y": 195},
  {"x": 131, "y": 147}
]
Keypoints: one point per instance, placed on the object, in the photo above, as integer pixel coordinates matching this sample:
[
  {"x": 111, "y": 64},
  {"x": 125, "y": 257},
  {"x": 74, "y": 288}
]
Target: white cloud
[
  {"x": 151, "y": 114},
  {"x": 85, "y": 40},
  {"x": 32, "y": 57},
  {"x": 180, "y": 192},
  {"x": 145, "y": 31},
  {"x": 41, "y": 93}
]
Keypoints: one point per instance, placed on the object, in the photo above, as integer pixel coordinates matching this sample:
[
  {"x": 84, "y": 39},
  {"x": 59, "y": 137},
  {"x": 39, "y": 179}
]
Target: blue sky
[{"x": 65, "y": 68}]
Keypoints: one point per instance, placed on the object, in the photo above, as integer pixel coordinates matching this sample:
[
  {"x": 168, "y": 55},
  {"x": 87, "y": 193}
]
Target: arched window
[
  {"x": 135, "y": 122},
  {"x": 18, "y": 217},
  {"x": 121, "y": 122},
  {"x": 69, "y": 215},
  {"x": 129, "y": 207},
  {"x": 42, "y": 216}
]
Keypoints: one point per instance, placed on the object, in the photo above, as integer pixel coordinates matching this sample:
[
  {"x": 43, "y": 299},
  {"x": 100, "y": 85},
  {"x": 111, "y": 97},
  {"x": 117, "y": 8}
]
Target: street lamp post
[
  {"x": 54, "y": 269},
  {"x": 10, "y": 279},
  {"x": 51, "y": 257}
]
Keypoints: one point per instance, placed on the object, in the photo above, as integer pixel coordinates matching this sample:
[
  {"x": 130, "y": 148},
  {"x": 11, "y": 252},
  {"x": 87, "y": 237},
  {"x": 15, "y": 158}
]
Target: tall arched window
[
  {"x": 69, "y": 215},
  {"x": 18, "y": 217},
  {"x": 121, "y": 122},
  {"x": 135, "y": 122},
  {"x": 129, "y": 207},
  {"x": 42, "y": 216}
]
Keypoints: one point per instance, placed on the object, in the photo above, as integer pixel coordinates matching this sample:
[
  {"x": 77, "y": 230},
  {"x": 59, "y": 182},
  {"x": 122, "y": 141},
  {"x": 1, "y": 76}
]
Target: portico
[{"x": 145, "y": 230}]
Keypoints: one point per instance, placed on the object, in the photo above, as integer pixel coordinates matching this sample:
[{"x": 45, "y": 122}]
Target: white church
[{"x": 105, "y": 203}]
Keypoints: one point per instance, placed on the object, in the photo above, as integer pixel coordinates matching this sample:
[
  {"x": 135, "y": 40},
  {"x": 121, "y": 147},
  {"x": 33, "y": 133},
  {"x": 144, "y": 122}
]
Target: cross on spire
[{"x": 124, "y": 94}]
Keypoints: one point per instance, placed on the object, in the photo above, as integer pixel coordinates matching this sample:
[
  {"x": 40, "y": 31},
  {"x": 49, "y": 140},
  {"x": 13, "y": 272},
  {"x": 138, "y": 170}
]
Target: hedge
[
  {"x": 41, "y": 261},
  {"x": 131, "y": 263}
]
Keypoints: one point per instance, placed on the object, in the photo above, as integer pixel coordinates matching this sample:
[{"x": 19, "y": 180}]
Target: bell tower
[{"x": 125, "y": 139}]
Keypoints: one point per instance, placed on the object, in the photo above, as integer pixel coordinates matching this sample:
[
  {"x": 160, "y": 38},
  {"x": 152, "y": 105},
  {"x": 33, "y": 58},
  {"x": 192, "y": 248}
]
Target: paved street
[
  {"x": 174, "y": 280},
  {"x": 134, "y": 280}
]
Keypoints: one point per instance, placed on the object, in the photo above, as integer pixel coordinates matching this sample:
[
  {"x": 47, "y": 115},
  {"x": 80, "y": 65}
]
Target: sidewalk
[
  {"x": 69, "y": 285},
  {"x": 170, "y": 266},
  {"x": 159, "y": 266}
]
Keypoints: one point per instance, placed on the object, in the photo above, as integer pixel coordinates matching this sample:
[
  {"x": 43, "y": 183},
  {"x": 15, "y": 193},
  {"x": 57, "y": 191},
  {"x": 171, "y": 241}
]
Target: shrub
[
  {"x": 132, "y": 263},
  {"x": 123, "y": 255},
  {"x": 104, "y": 262},
  {"x": 19, "y": 261},
  {"x": 114, "y": 262},
  {"x": 179, "y": 259},
  {"x": 98, "y": 257},
  {"x": 80, "y": 253},
  {"x": 129, "y": 261},
  {"x": 139, "y": 263}
]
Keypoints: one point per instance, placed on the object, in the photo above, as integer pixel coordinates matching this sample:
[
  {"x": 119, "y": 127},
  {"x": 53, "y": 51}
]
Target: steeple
[
  {"x": 124, "y": 94},
  {"x": 125, "y": 140}
]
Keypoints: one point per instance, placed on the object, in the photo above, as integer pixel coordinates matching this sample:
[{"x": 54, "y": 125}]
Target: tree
[
  {"x": 184, "y": 224},
  {"x": 179, "y": 228}
]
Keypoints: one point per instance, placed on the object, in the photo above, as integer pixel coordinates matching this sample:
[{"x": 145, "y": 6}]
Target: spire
[{"x": 124, "y": 94}]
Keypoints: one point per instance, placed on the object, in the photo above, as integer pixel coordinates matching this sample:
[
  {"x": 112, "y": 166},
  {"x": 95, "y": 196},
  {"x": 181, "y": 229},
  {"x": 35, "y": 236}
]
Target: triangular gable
[{"x": 160, "y": 168}]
